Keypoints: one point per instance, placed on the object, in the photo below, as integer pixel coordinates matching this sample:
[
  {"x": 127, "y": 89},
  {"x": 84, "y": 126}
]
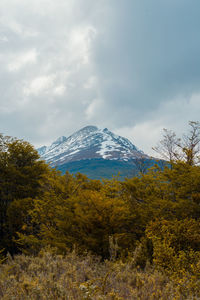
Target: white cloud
[
  {"x": 59, "y": 90},
  {"x": 65, "y": 64},
  {"x": 80, "y": 40},
  {"x": 144, "y": 135},
  {"x": 173, "y": 115},
  {"x": 39, "y": 85},
  {"x": 93, "y": 109},
  {"x": 18, "y": 61}
]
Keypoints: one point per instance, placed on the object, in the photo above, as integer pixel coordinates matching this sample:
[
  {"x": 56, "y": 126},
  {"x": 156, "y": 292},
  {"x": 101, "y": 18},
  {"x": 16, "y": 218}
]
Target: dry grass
[{"x": 50, "y": 276}]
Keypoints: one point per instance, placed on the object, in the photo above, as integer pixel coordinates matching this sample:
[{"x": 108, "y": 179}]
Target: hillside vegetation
[
  {"x": 50, "y": 276},
  {"x": 77, "y": 238}
]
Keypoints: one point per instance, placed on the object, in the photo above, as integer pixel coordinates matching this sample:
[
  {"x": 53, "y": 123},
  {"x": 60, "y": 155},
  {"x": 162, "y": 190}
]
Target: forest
[{"x": 71, "y": 237}]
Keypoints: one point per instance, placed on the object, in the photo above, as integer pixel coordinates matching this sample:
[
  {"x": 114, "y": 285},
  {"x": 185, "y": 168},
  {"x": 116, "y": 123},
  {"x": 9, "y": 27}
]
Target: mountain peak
[
  {"x": 60, "y": 140},
  {"x": 89, "y": 128},
  {"x": 90, "y": 142}
]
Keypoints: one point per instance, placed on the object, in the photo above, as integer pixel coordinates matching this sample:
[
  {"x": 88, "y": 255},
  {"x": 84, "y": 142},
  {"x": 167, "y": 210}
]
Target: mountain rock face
[{"x": 90, "y": 143}]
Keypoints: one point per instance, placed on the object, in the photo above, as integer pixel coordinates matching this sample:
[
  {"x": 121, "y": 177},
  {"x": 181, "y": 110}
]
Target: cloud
[
  {"x": 39, "y": 85},
  {"x": 18, "y": 61},
  {"x": 131, "y": 66},
  {"x": 173, "y": 115}
]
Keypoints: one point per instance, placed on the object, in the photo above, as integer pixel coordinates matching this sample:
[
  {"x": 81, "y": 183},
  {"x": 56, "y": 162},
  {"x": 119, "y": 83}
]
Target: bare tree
[
  {"x": 142, "y": 164},
  {"x": 191, "y": 144},
  {"x": 187, "y": 148}
]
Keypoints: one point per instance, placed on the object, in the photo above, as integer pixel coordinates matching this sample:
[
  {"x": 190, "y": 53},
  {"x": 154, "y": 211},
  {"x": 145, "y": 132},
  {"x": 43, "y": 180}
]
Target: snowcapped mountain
[{"x": 90, "y": 143}]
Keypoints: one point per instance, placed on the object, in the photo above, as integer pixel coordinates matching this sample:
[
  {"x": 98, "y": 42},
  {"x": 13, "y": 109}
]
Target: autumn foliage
[{"x": 151, "y": 220}]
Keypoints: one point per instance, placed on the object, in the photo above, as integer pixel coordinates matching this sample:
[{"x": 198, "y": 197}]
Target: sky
[{"x": 132, "y": 66}]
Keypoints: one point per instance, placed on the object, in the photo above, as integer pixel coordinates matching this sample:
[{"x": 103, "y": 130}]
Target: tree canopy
[{"x": 156, "y": 215}]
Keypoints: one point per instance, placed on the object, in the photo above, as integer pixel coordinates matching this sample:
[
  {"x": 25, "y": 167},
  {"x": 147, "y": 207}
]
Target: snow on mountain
[{"x": 88, "y": 143}]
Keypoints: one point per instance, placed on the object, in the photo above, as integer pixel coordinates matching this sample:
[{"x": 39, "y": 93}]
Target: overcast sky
[{"x": 132, "y": 66}]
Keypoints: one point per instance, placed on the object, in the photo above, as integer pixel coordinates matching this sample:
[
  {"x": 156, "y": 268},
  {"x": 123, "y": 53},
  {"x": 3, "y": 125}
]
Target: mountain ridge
[{"x": 90, "y": 142}]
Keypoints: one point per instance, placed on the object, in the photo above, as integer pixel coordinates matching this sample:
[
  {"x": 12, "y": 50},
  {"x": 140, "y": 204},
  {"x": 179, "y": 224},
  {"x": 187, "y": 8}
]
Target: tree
[
  {"x": 168, "y": 147},
  {"x": 176, "y": 245},
  {"x": 187, "y": 148},
  {"x": 191, "y": 144},
  {"x": 142, "y": 164},
  {"x": 21, "y": 174}
]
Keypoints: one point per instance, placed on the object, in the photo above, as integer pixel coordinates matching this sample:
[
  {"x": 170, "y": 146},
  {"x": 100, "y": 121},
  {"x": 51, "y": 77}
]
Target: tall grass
[{"x": 50, "y": 276}]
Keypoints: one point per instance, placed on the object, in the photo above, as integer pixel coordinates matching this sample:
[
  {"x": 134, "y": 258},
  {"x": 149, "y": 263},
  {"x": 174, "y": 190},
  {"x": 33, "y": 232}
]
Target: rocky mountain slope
[
  {"x": 91, "y": 149},
  {"x": 88, "y": 143}
]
